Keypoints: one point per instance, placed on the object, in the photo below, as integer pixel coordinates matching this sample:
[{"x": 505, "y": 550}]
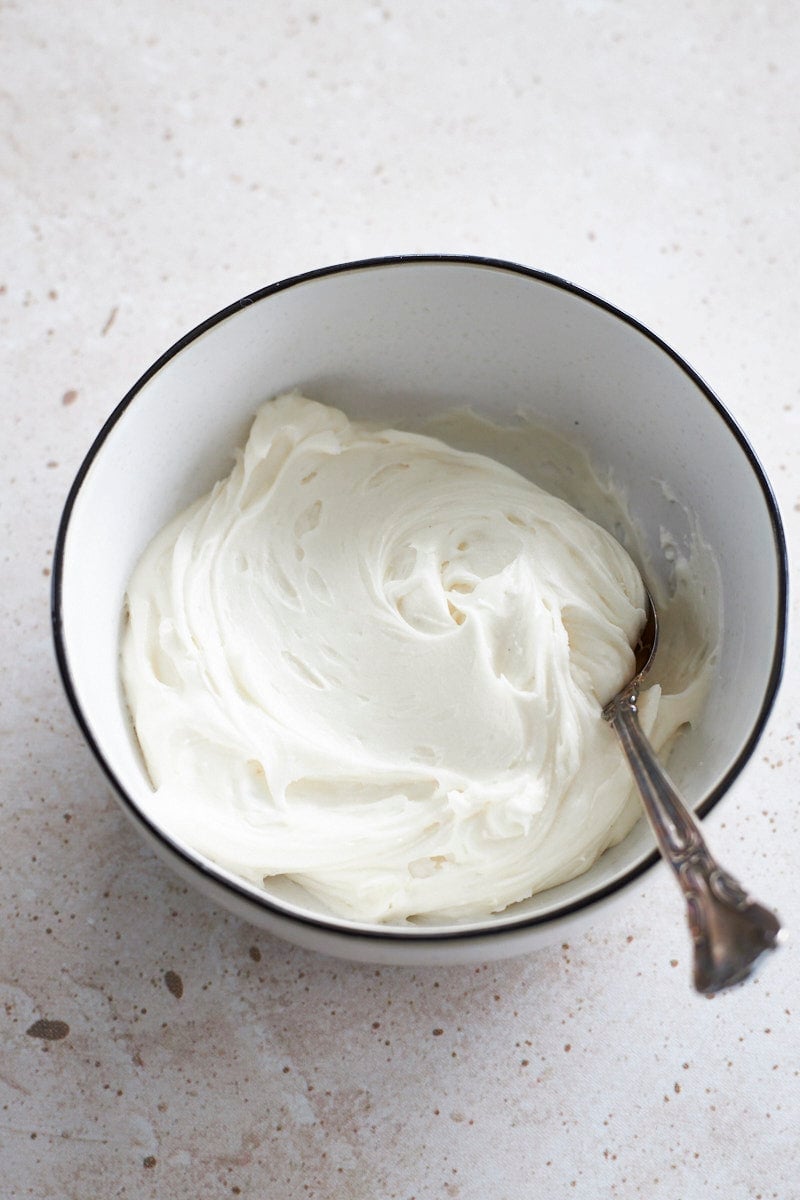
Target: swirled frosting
[{"x": 375, "y": 664}]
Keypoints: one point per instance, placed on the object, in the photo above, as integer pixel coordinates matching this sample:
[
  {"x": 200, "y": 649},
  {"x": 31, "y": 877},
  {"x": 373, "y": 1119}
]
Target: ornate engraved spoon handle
[{"x": 729, "y": 929}]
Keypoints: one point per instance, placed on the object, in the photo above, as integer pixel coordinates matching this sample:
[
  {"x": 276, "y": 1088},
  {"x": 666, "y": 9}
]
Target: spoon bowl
[{"x": 730, "y": 930}]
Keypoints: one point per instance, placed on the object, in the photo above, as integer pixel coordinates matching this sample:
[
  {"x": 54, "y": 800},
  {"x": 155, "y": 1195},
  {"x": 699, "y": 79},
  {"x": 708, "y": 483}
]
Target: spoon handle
[{"x": 730, "y": 930}]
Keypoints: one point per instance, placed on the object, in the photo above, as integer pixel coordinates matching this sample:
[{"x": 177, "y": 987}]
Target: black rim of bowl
[{"x": 405, "y": 934}]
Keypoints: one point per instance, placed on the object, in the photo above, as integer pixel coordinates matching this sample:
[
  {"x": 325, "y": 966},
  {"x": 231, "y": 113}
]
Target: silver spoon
[{"x": 730, "y": 930}]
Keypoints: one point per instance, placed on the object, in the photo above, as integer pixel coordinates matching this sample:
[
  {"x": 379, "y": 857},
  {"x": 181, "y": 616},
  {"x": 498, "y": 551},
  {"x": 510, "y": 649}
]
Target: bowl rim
[{"x": 340, "y": 926}]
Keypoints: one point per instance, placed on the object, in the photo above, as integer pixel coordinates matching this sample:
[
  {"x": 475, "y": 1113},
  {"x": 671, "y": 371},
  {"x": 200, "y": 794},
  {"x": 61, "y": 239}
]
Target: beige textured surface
[{"x": 159, "y": 161}]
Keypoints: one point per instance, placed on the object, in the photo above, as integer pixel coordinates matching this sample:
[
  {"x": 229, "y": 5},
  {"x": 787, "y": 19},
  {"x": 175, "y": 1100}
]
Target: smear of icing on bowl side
[{"x": 373, "y": 663}]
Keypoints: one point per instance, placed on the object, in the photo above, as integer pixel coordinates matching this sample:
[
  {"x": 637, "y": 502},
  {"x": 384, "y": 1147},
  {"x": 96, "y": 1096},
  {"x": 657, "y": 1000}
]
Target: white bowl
[{"x": 399, "y": 340}]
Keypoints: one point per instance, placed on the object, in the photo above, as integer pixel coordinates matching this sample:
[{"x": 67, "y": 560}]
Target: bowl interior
[{"x": 401, "y": 341}]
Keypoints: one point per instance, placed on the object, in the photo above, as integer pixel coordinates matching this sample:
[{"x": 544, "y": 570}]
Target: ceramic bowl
[{"x": 400, "y": 340}]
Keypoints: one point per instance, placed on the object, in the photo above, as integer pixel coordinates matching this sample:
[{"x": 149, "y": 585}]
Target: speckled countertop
[{"x": 161, "y": 160}]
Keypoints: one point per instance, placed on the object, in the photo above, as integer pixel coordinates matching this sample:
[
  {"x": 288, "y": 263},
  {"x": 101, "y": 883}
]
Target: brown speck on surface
[
  {"x": 567, "y": 1048},
  {"x": 48, "y": 1031},
  {"x": 110, "y": 319},
  {"x": 174, "y": 983},
  {"x": 52, "y": 463},
  {"x": 255, "y": 953},
  {"x": 438, "y": 1032},
  {"x": 69, "y": 396},
  {"x": 148, "y": 1162}
]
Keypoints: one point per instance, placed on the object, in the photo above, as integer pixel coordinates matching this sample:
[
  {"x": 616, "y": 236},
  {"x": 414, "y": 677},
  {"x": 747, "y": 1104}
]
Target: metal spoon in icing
[{"x": 729, "y": 929}]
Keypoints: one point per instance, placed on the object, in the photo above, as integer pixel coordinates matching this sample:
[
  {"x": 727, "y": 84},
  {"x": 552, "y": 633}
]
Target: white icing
[{"x": 375, "y": 664}]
